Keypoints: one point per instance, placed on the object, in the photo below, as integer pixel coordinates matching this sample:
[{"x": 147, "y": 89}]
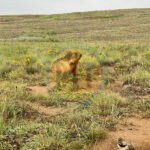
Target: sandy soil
[
  {"x": 38, "y": 90},
  {"x": 135, "y": 131}
]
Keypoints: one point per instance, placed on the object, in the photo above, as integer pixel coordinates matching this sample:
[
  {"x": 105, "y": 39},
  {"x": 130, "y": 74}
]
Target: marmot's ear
[{"x": 68, "y": 55}]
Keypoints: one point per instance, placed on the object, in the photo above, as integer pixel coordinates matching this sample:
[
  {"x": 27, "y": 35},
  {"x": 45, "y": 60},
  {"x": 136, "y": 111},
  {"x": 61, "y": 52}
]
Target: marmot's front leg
[{"x": 75, "y": 78}]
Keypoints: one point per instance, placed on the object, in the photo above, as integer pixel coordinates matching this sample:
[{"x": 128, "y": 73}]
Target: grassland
[{"x": 118, "y": 40}]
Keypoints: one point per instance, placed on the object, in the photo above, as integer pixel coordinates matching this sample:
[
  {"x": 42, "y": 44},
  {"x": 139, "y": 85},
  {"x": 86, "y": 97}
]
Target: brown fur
[{"x": 67, "y": 64}]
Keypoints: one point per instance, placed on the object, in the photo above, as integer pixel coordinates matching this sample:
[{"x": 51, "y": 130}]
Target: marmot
[{"x": 67, "y": 64}]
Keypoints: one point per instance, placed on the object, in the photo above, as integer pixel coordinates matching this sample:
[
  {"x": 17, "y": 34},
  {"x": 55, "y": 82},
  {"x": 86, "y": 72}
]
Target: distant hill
[{"x": 116, "y": 25}]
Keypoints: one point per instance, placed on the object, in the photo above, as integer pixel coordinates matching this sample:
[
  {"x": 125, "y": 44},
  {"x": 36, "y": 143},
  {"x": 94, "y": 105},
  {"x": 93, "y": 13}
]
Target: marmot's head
[{"x": 73, "y": 56}]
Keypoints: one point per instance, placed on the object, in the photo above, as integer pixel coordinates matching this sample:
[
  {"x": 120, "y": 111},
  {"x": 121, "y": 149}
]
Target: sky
[{"x": 12, "y": 7}]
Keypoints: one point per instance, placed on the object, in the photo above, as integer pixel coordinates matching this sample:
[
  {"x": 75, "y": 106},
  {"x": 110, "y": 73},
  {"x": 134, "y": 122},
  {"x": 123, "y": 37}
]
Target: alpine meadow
[{"x": 106, "y": 98}]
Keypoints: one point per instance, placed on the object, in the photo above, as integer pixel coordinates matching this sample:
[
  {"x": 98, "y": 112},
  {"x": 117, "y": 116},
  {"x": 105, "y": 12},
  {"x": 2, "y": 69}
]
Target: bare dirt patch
[
  {"x": 133, "y": 130},
  {"x": 38, "y": 90},
  {"x": 106, "y": 144},
  {"x": 50, "y": 111}
]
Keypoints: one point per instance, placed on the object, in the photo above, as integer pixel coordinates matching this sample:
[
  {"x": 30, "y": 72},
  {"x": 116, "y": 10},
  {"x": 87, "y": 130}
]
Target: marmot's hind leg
[{"x": 75, "y": 78}]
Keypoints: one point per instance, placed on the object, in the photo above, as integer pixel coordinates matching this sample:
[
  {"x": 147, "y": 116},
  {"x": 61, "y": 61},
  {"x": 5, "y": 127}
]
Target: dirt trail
[
  {"x": 50, "y": 111},
  {"x": 134, "y": 130}
]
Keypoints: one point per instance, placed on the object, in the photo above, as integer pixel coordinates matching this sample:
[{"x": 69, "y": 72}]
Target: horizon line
[{"x": 28, "y": 14}]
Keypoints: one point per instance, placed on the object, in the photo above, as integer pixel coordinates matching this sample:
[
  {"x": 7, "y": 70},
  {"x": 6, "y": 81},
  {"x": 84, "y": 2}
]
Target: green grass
[{"x": 107, "y": 39}]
